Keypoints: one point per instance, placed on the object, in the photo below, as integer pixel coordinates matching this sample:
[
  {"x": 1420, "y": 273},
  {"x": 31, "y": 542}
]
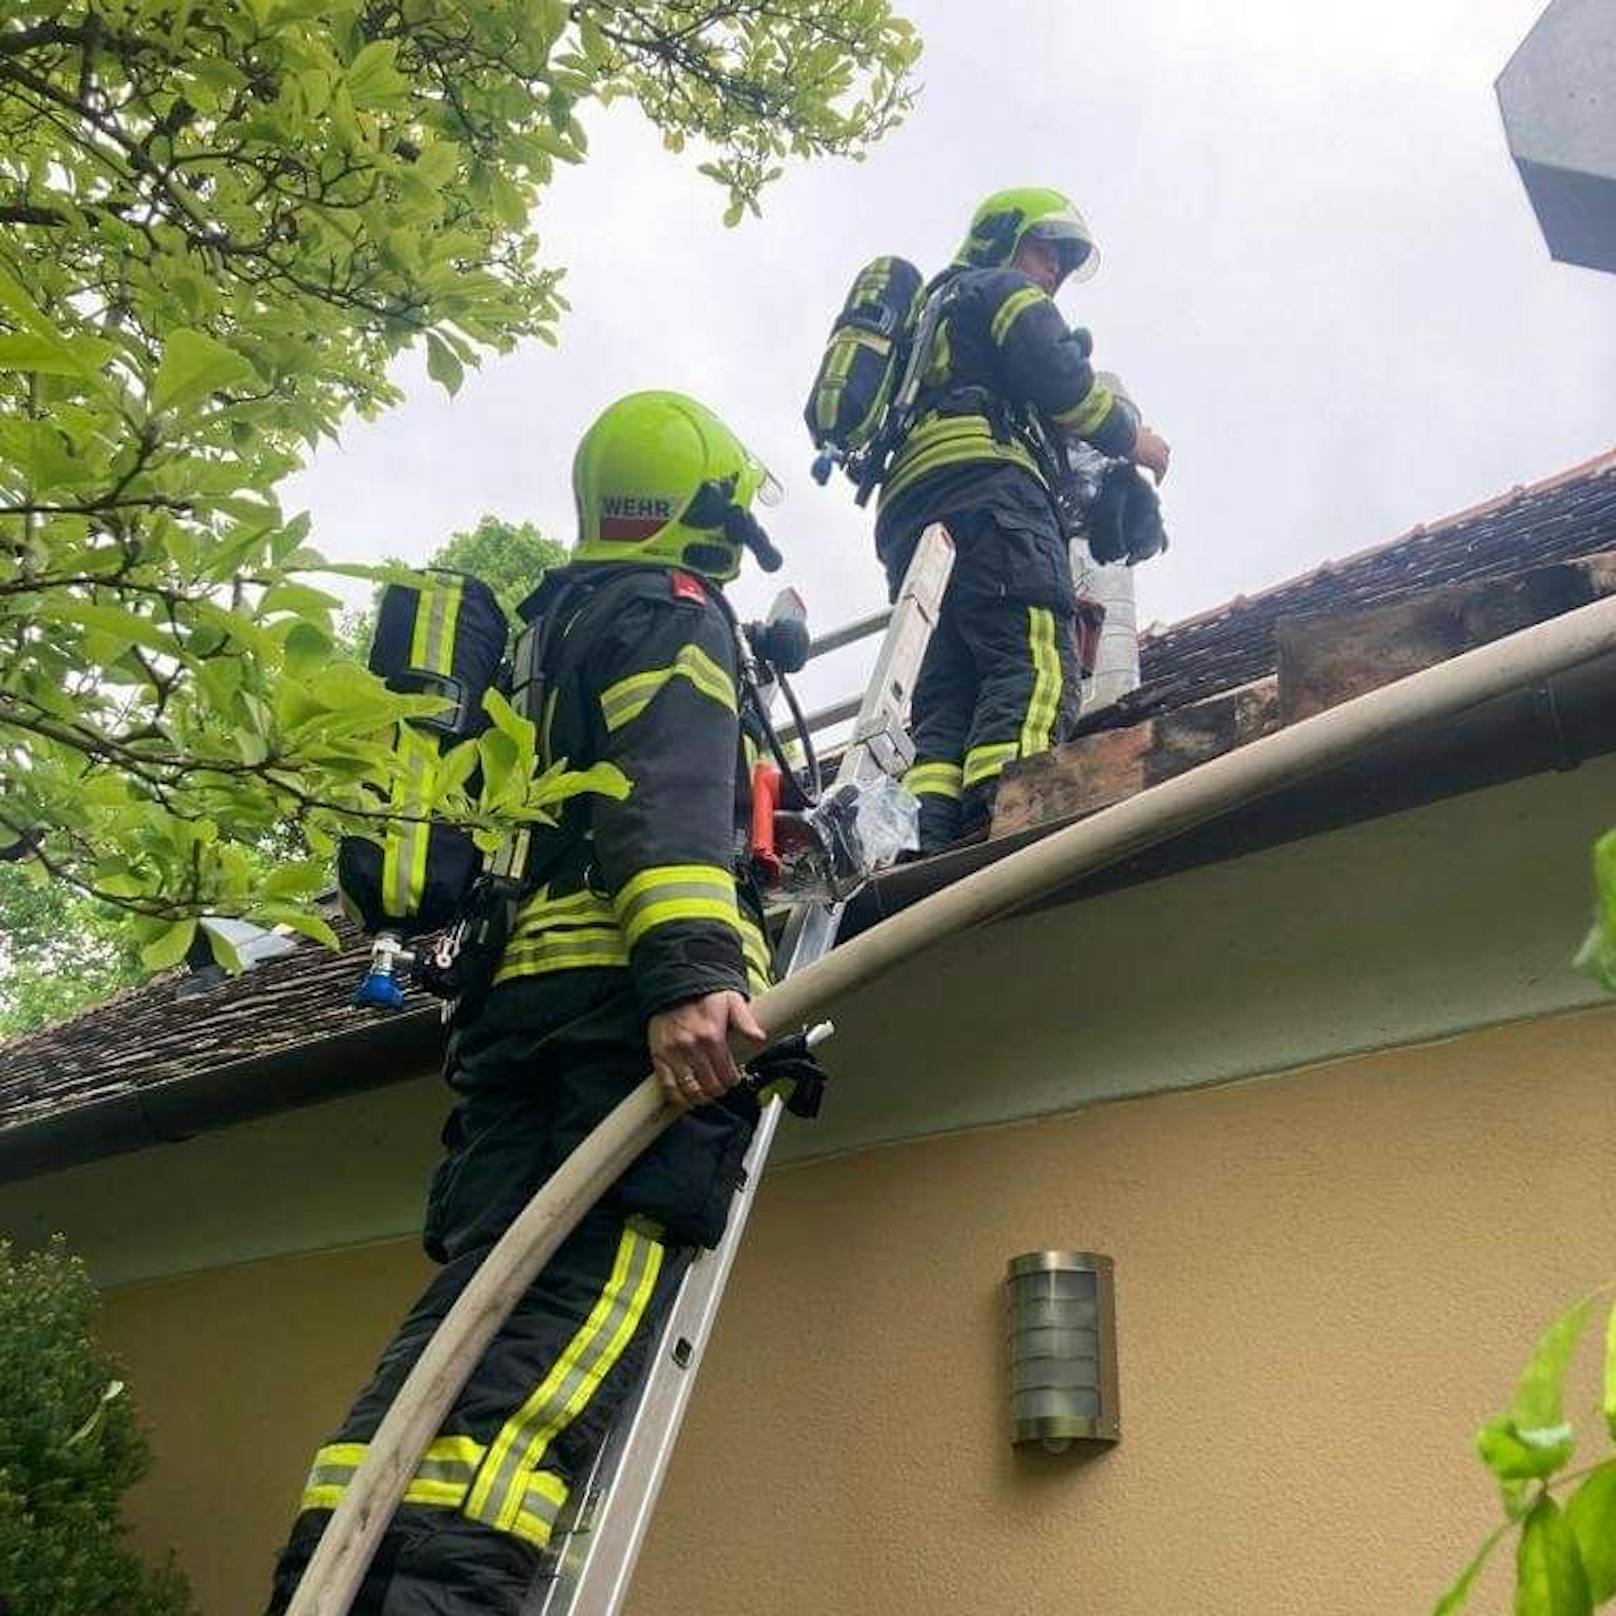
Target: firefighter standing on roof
[
  {"x": 639, "y": 947},
  {"x": 1004, "y": 377}
]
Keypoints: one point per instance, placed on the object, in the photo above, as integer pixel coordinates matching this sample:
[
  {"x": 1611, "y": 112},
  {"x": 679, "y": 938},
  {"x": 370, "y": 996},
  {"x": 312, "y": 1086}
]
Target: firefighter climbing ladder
[{"x": 596, "y": 1550}]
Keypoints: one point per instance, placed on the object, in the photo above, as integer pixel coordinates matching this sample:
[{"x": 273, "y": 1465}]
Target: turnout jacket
[
  {"x": 642, "y": 672},
  {"x": 1004, "y": 369}
]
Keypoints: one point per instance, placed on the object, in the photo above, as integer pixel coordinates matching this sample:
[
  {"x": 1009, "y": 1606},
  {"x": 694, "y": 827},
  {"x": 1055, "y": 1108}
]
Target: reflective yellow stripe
[
  {"x": 582, "y": 947},
  {"x": 405, "y": 847},
  {"x": 624, "y": 701},
  {"x": 575, "y": 931},
  {"x": 586, "y": 929},
  {"x": 441, "y": 1481},
  {"x": 541, "y": 911},
  {"x": 442, "y": 1478},
  {"x": 668, "y": 892},
  {"x": 667, "y": 910},
  {"x": 1043, "y": 705},
  {"x": 934, "y": 780},
  {"x": 333, "y": 1468},
  {"x": 941, "y": 441},
  {"x": 828, "y": 399},
  {"x": 1088, "y": 413},
  {"x": 756, "y": 952},
  {"x": 828, "y": 395},
  {"x": 845, "y": 345},
  {"x": 1013, "y": 306},
  {"x": 984, "y": 762},
  {"x": 502, "y": 1495},
  {"x": 432, "y": 643},
  {"x": 541, "y": 1504}
]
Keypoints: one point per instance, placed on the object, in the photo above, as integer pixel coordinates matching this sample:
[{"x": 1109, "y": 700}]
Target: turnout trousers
[
  {"x": 999, "y": 679},
  {"x": 472, "y": 1535}
]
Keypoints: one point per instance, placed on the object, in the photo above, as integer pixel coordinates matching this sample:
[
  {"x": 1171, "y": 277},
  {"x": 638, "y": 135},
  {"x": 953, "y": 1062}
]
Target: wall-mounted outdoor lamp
[{"x": 1063, "y": 1349}]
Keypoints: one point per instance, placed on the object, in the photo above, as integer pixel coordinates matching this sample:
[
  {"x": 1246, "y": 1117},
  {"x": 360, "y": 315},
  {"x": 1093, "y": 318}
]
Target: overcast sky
[{"x": 1321, "y": 279}]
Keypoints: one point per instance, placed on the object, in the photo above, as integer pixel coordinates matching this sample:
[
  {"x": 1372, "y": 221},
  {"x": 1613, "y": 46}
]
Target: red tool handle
[{"x": 765, "y": 801}]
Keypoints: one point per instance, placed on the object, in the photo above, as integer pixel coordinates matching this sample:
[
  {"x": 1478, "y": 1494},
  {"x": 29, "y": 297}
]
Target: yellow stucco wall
[{"x": 1323, "y": 1280}]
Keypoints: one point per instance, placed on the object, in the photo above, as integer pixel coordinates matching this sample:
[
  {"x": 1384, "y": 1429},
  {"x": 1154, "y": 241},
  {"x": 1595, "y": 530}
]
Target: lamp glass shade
[{"x": 1061, "y": 1321}]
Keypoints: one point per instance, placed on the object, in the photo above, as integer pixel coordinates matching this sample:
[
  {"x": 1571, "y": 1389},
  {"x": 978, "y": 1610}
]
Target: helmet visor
[
  {"x": 1069, "y": 236},
  {"x": 757, "y": 482}
]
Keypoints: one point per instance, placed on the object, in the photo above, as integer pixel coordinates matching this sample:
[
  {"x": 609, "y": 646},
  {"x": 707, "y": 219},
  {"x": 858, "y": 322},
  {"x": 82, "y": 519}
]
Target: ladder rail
[{"x": 599, "y": 1546}]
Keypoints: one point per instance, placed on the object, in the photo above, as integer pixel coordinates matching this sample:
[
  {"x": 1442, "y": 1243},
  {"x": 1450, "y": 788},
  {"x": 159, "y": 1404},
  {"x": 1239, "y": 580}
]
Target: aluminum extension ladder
[{"x": 597, "y": 1547}]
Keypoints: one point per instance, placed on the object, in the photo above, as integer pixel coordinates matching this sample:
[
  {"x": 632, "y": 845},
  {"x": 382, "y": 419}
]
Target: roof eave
[
  {"x": 1554, "y": 724},
  {"x": 370, "y": 1055}
]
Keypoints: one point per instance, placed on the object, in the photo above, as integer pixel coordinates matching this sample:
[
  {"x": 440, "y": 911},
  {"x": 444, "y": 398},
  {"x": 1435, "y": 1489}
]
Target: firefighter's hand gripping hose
[{"x": 1105, "y": 838}]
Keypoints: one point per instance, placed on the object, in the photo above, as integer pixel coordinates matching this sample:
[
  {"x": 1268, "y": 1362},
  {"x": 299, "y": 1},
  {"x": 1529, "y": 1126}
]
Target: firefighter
[
  {"x": 1004, "y": 381},
  {"x": 638, "y": 950}
]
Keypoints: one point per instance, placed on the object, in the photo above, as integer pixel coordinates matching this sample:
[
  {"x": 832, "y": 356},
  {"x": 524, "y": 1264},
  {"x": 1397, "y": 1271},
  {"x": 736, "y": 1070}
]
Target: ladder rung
[
  {"x": 822, "y": 718},
  {"x": 850, "y": 633}
]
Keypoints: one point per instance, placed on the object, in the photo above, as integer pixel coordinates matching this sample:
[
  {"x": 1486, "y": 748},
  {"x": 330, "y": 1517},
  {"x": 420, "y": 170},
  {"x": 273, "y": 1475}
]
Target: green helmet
[
  {"x": 1008, "y": 218},
  {"x": 659, "y": 478}
]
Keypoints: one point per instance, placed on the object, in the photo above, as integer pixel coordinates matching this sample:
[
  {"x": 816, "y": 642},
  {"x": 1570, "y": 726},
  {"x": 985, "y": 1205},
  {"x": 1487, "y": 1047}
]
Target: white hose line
[{"x": 1106, "y": 837}]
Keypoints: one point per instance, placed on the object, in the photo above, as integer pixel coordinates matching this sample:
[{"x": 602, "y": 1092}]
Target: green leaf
[
  {"x": 373, "y": 78},
  {"x": 117, "y": 623},
  {"x": 110, "y": 1393},
  {"x": 290, "y": 882},
  {"x": 1605, "y": 874},
  {"x": 498, "y": 754},
  {"x": 456, "y": 767},
  {"x": 1516, "y": 1455},
  {"x": 1597, "y": 956},
  {"x": 558, "y": 783},
  {"x": 1591, "y": 1514},
  {"x": 510, "y": 205},
  {"x": 442, "y": 364},
  {"x": 169, "y": 946},
  {"x": 298, "y": 920},
  {"x": 41, "y": 346},
  {"x": 28, "y": 351},
  {"x": 195, "y": 365},
  {"x": 1549, "y": 1576},
  {"x": 1531, "y": 1440},
  {"x": 302, "y": 600},
  {"x": 508, "y": 721},
  {"x": 306, "y": 648},
  {"x": 224, "y": 951},
  {"x": 1608, "y": 1396},
  {"x": 1458, "y": 1595},
  {"x": 1539, "y": 1393}
]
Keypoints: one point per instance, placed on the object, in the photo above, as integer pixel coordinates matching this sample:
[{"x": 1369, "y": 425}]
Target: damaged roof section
[
  {"x": 155, "y": 1065},
  {"x": 1318, "y": 661},
  {"x": 1559, "y": 519}
]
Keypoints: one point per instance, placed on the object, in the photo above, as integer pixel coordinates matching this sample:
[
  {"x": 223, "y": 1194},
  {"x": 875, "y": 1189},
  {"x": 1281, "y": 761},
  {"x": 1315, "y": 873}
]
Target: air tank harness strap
[{"x": 955, "y": 399}]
